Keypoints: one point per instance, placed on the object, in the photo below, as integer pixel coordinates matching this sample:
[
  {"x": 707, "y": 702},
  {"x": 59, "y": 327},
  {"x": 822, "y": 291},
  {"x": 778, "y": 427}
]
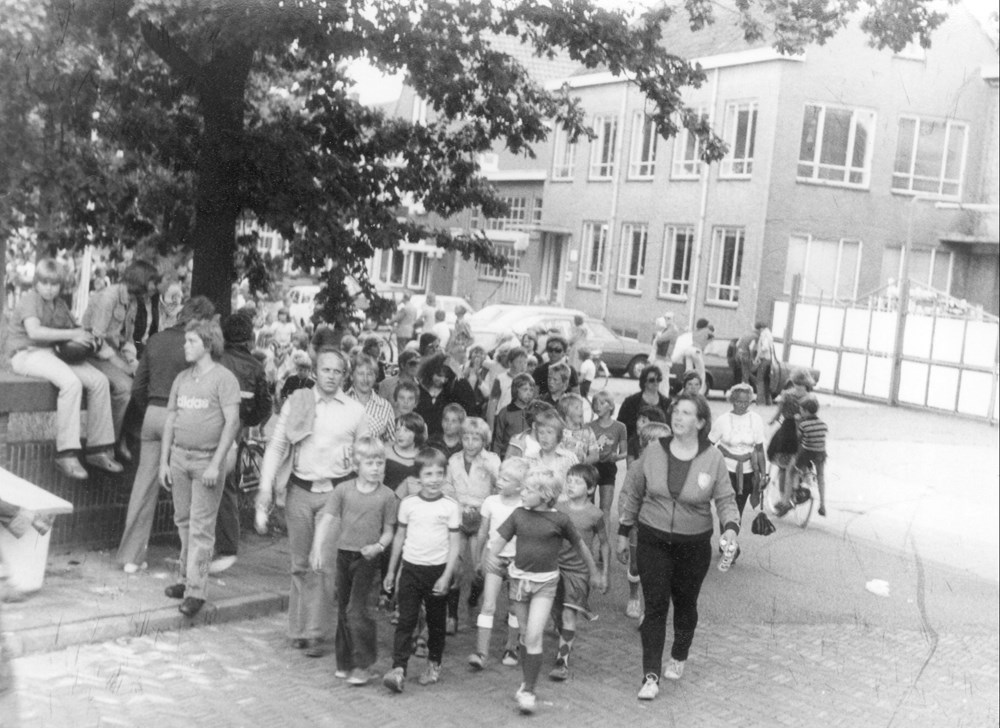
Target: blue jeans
[
  {"x": 356, "y": 637},
  {"x": 195, "y": 509}
]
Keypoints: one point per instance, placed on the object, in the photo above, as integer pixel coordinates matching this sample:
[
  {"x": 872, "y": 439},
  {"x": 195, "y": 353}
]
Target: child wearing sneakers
[
  {"x": 495, "y": 510},
  {"x": 573, "y": 592},
  {"x": 359, "y": 517},
  {"x": 534, "y": 574},
  {"x": 427, "y": 541},
  {"x": 472, "y": 473}
]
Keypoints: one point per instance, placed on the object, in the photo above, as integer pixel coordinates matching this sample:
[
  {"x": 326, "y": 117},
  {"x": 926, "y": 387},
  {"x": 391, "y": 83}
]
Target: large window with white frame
[
  {"x": 407, "y": 268},
  {"x": 565, "y": 155},
  {"x": 516, "y": 217},
  {"x": 726, "y": 265},
  {"x": 930, "y": 266},
  {"x": 602, "y": 147},
  {"x": 930, "y": 156},
  {"x": 675, "y": 269},
  {"x": 687, "y": 152},
  {"x": 494, "y": 273},
  {"x": 632, "y": 258},
  {"x": 418, "y": 114},
  {"x": 740, "y": 134},
  {"x": 418, "y": 271},
  {"x": 836, "y": 145},
  {"x": 593, "y": 255},
  {"x": 829, "y": 268},
  {"x": 642, "y": 159}
]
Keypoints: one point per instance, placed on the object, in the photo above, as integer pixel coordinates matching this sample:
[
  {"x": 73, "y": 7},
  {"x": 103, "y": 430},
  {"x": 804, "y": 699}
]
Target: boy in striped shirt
[{"x": 812, "y": 433}]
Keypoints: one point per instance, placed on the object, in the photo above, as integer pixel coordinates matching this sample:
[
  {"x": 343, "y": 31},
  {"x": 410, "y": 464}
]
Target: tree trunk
[{"x": 221, "y": 93}]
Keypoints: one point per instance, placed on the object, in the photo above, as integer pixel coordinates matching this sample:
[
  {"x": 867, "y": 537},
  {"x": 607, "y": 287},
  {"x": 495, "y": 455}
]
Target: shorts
[
  {"x": 606, "y": 473},
  {"x": 501, "y": 570},
  {"x": 471, "y": 518},
  {"x": 804, "y": 457},
  {"x": 574, "y": 591},
  {"x": 524, "y": 590}
]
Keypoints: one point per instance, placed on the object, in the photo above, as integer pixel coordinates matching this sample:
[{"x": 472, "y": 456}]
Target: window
[
  {"x": 602, "y": 147},
  {"x": 490, "y": 273},
  {"x": 932, "y": 267},
  {"x": 930, "y": 157},
  {"x": 475, "y": 218},
  {"x": 592, "y": 249},
  {"x": 687, "y": 152},
  {"x": 836, "y": 145},
  {"x": 829, "y": 268},
  {"x": 675, "y": 271},
  {"x": 632, "y": 258},
  {"x": 517, "y": 216},
  {"x": 419, "y": 112},
  {"x": 393, "y": 263},
  {"x": 536, "y": 212},
  {"x": 565, "y": 155},
  {"x": 741, "y": 128},
  {"x": 642, "y": 160},
  {"x": 418, "y": 270},
  {"x": 727, "y": 261}
]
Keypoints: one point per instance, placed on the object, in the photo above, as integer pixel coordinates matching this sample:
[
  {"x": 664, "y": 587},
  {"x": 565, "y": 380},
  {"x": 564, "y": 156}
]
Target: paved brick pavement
[{"x": 739, "y": 674}]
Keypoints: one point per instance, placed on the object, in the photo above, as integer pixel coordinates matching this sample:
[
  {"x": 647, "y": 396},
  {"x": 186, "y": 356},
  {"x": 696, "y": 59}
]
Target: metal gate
[{"x": 913, "y": 346}]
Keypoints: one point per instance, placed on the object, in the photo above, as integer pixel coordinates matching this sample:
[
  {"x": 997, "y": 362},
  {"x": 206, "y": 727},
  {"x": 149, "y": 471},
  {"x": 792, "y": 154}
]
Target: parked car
[
  {"x": 621, "y": 354},
  {"x": 444, "y": 303},
  {"x": 720, "y": 357},
  {"x": 302, "y": 303}
]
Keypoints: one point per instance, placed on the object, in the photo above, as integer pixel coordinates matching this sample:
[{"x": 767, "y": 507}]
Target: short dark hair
[
  {"x": 646, "y": 371},
  {"x": 430, "y": 456},
  {"x": 652, "y": 413},
  {"x": 415, "y": 424},
  {"x": 701, "y": 323},
  {"x": 237, "y": 328},
  {"x": 702, "y": 411},
  {"x": 406, "y": 356},
  {"x": 426, "y": 340},
  {"x": 406, "y": 386},
  {"x": 585, "y": 471},
  {"x": 139, "y": 274},
  {"x": 557, "y": 339},
  {"x": 690, "y": 375},
  {"x": 809, "y": 404},
  {"x": 196, "y": 307}
]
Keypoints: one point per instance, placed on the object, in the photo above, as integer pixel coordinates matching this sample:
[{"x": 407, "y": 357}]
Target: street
[{"x": 790, "y": 635}]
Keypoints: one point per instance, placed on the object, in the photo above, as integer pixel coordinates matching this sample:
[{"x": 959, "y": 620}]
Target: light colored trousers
[
  {"x": 72, "y": 379},
  {"x": 312, "y": 599},
  {"x": 121, "y": 388},
  {"x": 145, "y": 490},
  {"x": 195, "y": 509}
]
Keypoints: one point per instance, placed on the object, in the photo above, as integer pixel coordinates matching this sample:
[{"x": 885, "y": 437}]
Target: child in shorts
[
  {"x": 472, "y": 473},
  {"x": 534, "y": 574},
  {"x": 812, "y": 433},
  {"x": 495, "y": 510},
  {"x": 426, "y": 543},
  {"x": 612, "y": 444},
  {"x": 573, "y": 593}
]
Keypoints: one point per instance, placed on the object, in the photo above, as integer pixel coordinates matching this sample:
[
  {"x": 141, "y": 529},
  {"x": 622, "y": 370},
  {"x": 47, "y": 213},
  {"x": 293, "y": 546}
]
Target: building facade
[{"x": 835, "y": 155}]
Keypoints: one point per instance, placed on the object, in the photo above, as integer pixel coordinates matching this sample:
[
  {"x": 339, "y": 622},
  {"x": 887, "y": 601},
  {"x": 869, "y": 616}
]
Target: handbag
[{"x": 762, "y": 525}]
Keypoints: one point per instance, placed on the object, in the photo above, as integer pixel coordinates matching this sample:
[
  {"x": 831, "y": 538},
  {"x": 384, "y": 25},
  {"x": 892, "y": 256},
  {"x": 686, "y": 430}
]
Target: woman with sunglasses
[
  {"x": 648, "y": 394},
  {"x": 556, "y": 348}
]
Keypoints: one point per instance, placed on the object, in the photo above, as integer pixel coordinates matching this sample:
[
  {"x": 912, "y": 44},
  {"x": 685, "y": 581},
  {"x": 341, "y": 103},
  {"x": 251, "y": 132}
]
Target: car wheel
[{"x": 636, "y": 366}]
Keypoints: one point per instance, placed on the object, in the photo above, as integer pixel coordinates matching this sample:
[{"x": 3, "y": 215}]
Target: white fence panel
[
  {"x": 831, "y": 326},
  {"x": 826, "y": 362},
  {"x": 780, "y": 318},
  {"x": 981, "y": 343},
  {"x": 917, "y": 337},
  {"x": 883, "y": 336},
  {"x": 974, "y": 393},
  {"x": 856, "y": 325},
  {"x": 804, "y": 328},
  {"x": 878, "y": 377},
  {"x": 943, "y": 390},
  {"x": 913, "y": 382},
  {"x": 948, "y": 340},
  {"x": 852, "y": 373}
]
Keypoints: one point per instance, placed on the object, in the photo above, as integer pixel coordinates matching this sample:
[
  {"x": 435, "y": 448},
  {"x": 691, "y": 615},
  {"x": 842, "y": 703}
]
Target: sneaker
[
  {"x": 510, "y": 659},
  {"x": 525, "y": 700},
  {"x": 221, "y": 564},
  {"x": 560, "y": 672},
  {"x": 633, "y": 609},
  {"x": 358, "y": 677},
  {"x": 175, "y": 591},
  {"x": 395, "y": 679},
  {"x": 134, "y": 568},
  {"x": 420, "y": 647},
  {"x": 451, "y": 626},
  {"x": 675, "y": 668},
  {"x": 431, "y": 675},
  {"x": 650, "y": 688},
  {"x": 341, "y": 674},
  {"x": 476, "y": 661},
  {"x": 822, "y": 510}
]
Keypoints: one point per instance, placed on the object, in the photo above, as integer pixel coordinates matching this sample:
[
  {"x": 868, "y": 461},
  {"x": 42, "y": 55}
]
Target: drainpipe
[
  {"x": 615, "y": 189},
  {"x": 699, "y": 233}
]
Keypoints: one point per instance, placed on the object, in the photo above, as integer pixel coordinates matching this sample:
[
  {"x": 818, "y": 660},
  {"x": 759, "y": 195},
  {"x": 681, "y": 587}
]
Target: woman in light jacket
[{"x": 666, "y": 497}]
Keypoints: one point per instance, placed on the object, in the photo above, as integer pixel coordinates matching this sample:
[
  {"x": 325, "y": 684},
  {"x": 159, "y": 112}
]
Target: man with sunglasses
[
  {"x": 408, "y": 361},
  {"x": 555, "y": 347}
]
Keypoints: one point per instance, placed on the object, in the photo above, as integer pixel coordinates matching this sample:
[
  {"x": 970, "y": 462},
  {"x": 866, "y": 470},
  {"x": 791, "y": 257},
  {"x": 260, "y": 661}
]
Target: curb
[{"x": 163, "y": 619}]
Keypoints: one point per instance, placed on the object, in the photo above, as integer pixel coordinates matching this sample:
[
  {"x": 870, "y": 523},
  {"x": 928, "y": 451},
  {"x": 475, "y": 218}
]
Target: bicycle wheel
[
  {"x": 248, "y": 462},
  {"x": 802, "y": 497}
]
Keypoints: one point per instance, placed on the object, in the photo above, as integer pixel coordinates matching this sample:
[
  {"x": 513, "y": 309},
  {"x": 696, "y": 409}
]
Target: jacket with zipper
[{"x": 645, "y": 499}]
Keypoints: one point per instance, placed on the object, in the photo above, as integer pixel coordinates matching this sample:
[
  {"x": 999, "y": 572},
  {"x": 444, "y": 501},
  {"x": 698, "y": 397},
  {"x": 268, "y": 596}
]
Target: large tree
[{"x": 183, "y": 114}]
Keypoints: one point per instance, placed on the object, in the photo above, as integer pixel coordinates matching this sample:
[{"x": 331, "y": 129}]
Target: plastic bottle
[{"x": 728, "y": 553}]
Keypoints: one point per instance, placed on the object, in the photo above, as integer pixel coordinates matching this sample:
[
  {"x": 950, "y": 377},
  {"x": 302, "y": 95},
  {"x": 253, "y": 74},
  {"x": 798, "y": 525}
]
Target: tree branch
[{"x": 173, "y": 55}]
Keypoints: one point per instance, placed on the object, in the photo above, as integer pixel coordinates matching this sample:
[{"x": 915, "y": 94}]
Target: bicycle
[
  {"x": 803, "y": 495},
  {"x": 246, "y": 476}
]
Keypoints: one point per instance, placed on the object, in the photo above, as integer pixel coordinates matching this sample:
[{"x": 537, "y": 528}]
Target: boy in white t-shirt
[{"x": 427, "y": 539}]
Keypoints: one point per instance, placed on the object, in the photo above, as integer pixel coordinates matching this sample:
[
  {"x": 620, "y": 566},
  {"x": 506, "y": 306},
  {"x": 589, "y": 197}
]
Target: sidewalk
[{"x": 88, "y": 598}]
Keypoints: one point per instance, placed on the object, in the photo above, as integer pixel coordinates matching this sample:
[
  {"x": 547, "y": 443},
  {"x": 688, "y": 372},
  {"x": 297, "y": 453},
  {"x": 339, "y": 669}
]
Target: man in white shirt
[{"x": 314, "y": 435}]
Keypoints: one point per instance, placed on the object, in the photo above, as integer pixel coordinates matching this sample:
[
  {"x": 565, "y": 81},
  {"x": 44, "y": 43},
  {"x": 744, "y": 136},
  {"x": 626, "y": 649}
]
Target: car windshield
[
  {"x": 489, "y": 314},
  {"x": 599, "y": 330},
  {"x": 717, "y": 347}
]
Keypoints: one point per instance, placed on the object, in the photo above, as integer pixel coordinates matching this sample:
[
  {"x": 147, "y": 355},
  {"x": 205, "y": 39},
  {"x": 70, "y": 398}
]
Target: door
[{"x": 551, "y": 280}]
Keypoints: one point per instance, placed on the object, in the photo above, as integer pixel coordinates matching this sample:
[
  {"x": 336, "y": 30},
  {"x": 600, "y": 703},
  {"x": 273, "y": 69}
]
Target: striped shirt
[
  {"x": 381, "y": 416},
  {"x": 812, "y": 434}
]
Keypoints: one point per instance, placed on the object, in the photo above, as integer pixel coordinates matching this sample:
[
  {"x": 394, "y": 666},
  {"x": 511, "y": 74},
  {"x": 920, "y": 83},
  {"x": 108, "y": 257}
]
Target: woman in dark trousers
[
  {"x": 648, "y": 394},
  {"x": 440, "y": 387},
  {"x": 666, "y": 498}
]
